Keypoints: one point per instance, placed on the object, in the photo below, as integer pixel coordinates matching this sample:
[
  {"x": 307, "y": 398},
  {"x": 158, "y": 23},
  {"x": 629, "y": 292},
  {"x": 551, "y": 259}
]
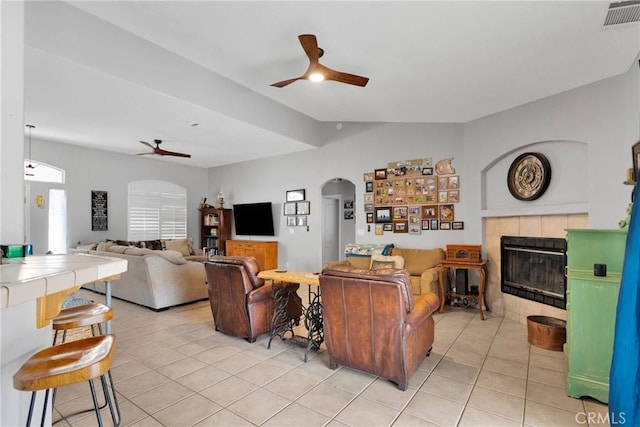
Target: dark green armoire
[{"x": 591, "y": 308}]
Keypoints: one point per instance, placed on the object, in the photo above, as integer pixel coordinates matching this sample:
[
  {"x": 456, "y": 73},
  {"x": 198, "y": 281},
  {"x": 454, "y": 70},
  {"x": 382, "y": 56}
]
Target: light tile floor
[{"x": 172, "y": 369}]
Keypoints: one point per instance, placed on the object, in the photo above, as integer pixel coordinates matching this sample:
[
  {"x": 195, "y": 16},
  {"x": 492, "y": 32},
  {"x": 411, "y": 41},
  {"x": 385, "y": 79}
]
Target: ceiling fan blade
[
  {"x": 148, "y": 145},
  {"x": 285, "y": 82},
  {"x": 341, "y": 77},
  {"x": 310, "y": 45},
  {"x": 172, "y": 153}
]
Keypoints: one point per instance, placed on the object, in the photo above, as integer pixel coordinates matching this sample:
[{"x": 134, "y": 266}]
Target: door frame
[{"x": 337, "y": 197}]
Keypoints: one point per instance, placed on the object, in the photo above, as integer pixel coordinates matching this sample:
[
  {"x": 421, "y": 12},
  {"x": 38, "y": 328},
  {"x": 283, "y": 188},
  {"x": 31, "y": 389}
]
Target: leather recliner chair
[
  {"x": 372, "y": 322},
  {"x": 241, "y": 303}
]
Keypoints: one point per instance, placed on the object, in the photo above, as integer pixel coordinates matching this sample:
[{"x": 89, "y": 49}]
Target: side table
[{"x": 481, "y": 267}]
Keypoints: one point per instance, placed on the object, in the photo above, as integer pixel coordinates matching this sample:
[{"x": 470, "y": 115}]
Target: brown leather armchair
[
  {"x": 241, "y": 303},
  {"x": 372, "y": 322}
]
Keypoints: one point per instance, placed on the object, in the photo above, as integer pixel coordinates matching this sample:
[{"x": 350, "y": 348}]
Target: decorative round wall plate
[{"x": 529, "y": 176}]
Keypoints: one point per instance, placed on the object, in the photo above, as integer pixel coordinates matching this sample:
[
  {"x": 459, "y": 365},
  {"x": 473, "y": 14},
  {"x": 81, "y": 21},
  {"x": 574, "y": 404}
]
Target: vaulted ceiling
[{"x": 197, "y": 74}]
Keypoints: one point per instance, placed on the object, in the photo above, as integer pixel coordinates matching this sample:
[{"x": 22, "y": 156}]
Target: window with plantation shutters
[{"x": 157, "y": 210}]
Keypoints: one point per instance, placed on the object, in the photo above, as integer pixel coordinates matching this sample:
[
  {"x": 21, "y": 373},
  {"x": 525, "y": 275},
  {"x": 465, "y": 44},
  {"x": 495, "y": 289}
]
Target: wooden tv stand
[{"x": 265, "y": 252}]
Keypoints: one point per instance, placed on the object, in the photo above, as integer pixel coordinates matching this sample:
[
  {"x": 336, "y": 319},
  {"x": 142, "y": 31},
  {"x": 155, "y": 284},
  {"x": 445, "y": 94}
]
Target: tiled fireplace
[{"x": 554, "y": 226}]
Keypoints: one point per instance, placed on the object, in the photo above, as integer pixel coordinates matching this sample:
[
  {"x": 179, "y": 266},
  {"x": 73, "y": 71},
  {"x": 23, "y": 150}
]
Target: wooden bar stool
[
  {"x": 92, "y": 314},
  {"x": 69, "y": 363}
]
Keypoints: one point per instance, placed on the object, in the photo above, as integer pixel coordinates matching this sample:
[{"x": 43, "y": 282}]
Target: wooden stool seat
[
  {"x": 68, "y": 363},
  {"x": 82, "y": 315}
]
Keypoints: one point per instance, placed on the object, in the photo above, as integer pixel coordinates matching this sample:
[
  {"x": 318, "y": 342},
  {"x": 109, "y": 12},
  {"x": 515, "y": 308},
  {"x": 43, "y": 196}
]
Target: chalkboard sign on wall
[{"x": 99, "y": 218}]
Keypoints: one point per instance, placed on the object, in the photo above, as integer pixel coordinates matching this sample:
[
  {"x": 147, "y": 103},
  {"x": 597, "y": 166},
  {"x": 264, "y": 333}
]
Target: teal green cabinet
[{"x": 591, "y": 309}]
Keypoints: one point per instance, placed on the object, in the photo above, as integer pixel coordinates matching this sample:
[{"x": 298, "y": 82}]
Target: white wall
[
  {"x": 604, "y": 116},
  {"x": 359, "y": 148},
  {"x": 87, "y": 170}
]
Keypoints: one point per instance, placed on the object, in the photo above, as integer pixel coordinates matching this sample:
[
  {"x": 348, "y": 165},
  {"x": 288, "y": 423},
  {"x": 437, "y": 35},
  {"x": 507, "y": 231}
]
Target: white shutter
[{"x": 157, "y": 210}]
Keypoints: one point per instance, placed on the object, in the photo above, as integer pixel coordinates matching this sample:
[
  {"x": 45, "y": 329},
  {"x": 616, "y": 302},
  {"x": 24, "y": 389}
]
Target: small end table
[{"x": 481, "y": 267}]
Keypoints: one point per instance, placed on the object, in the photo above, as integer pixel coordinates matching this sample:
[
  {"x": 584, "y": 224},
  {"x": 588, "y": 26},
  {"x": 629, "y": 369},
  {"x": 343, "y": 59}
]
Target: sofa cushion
[
  {"x": 174, "y": 257},
  {"x": 386, "y": 261},
  {"x": 156, "y": 245},
  {"x": 103, "y": 246},
  {"x": 418, "y": 260},
  {"x": 137, "y": 251},
  {"x": 184, "y": 246},
  {"x": 118, "y": 249}
]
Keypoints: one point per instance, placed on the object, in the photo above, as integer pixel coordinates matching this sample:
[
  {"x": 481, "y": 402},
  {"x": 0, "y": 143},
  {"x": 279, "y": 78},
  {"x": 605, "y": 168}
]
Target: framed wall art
[
  {"x": 291, "y": 221},
  {"x": 367, "y": 176},
  {"x": 381, "y": 173},
  {"x": 295, "y": 195},
  {"x": 446, "y": 213},
  {"x": 457, "y": 225},
  {"x": 290, "y": 208},
  {"x": 301, "y": 220},
  {"x": 425, "y": 224},
  {"x": 433, "y": 224},
  {"x": 379, "y": 229},
  {"x": 401, "y": 226},
  {"x": 383, "y": 214},
  {"x": 387, "y": 227},
  {"x": 445, "y": 225},
  {"x": 303, "y": 208}
]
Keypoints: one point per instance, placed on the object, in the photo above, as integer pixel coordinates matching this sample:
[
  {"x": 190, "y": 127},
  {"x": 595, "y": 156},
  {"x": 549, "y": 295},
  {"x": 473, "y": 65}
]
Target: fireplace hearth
[{"x": 533, "y": 268}]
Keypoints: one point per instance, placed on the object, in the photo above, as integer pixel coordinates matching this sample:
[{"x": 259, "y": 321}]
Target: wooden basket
[
  {"x": 547, "y": 332},
  {"x": 464, "y": 253}
]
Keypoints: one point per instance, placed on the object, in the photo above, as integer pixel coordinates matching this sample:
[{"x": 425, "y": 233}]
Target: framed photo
[
  {"x": 429, "y": 211},
  {"x": 454, "y": 182},
  {"x": 433, "y": 224},
  {"x": 635, "y": 150},
  {"x": 291, "y": 221},
  {"x": 348, "y": 204},
  {"x": 380, "y": 229},
  {"x": 446, "y": 213},
  {"x": 427, "y": 171},
  {"x": 303, "y": 208},
  {"x": 295, "y": 195},
  {"x": 290, "y": 208},
  {"x": 367, "y": 176},
  {"x": 400, "y": 226},
  {"x": 368, "y": 207},
  {"x": 445, "y": 225},
  {"x": 425, "y": 224},
  {"x": 400, "y": 212},
  {"x": 457, "y": 225},
  {"x": 368, "y": 198},
  {"x": 454, "y": 196},
  {"x": 383, "y": 214},
  {"x": 443, "y": 197},
  {"x": 348, "y": 214},
  {"x": 368, "y": 186},
  {"x": 301, "y": 220},
  {"x": 414, "y": 229},
  {"x": 369, "y": 217},
  {"x": 414, "y": 210},
  {"x": 380, "y": 174},
  {"x": 443, "y": 183}
]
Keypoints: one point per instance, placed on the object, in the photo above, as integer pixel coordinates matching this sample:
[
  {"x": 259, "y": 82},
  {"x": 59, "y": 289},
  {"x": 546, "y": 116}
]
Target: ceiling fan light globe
[{"x": 316, "y": 77}]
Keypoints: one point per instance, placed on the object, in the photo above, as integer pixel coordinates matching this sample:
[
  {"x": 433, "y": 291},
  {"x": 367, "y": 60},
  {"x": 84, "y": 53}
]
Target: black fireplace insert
[{"x": 534, "y": 268}]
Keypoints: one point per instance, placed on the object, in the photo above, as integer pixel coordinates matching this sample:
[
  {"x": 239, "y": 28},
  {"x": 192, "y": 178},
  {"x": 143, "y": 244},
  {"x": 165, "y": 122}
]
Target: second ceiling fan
[
  {"x": 317, "y": 71},
  {"x": 160, "y": 151}
]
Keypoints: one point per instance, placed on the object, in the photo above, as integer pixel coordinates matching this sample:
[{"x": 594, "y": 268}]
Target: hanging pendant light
[{"x": 29, "y": 168}]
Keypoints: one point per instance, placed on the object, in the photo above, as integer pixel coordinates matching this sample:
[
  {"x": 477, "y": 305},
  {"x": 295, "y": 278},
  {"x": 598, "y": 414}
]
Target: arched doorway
[{"x": 338, "y": 226}]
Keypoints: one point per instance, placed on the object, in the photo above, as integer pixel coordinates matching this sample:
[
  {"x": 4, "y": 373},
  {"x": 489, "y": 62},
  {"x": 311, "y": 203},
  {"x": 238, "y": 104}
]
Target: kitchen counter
[{"x": 32, "y": 290}]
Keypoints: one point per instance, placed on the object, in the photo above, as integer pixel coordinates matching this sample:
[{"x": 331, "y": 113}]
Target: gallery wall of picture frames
[
  {"x": 296, "y": 208},
  {"x": 412, "y": 196}
]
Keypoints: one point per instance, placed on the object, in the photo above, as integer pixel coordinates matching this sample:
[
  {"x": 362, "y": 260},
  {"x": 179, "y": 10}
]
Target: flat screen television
[{"x": 253, "y": 219}]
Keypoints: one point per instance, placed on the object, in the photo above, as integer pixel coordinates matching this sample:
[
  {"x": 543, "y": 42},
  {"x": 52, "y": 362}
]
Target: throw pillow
[
  {"x": 384, "y": 261},
  {"x": 178, "y": 245}
]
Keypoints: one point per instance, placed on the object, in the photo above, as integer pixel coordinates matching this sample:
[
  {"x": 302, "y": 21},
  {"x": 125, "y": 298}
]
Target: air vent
[{"x": 623, "y": 12}]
